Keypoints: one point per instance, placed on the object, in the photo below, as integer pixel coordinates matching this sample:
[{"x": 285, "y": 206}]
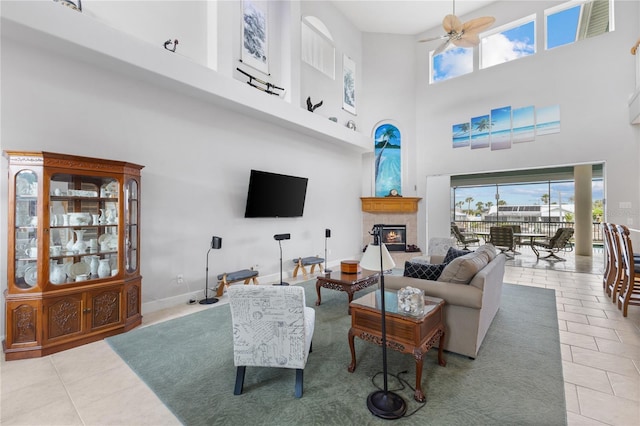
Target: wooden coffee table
[
  {"x": 405, "y": 333},
  {"x": 350, "y": 283}
]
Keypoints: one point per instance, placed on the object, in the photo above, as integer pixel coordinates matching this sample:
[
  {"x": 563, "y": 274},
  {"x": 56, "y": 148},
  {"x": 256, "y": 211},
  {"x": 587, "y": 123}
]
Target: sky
[
  {"x": 507, "y": 45},
  {"x": 526, "y": 194}
]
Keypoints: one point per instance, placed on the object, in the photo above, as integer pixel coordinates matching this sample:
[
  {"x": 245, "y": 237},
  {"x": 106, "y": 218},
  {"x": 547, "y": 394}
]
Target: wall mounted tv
[{"x": 275, "y": 195}]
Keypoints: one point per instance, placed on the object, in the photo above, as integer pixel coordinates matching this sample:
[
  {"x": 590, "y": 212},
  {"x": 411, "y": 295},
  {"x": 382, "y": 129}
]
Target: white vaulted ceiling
[{"x": 401, "y": 16}]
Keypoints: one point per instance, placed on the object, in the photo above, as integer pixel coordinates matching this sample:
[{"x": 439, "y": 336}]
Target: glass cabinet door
[
  {"x": 131, "y": 225},
  {"x": 83, "y": 217},
  {"x": 26, "y": 229}
]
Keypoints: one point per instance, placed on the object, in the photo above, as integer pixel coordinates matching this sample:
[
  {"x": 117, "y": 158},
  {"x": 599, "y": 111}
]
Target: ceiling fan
[{"x": 460, "y": 34}]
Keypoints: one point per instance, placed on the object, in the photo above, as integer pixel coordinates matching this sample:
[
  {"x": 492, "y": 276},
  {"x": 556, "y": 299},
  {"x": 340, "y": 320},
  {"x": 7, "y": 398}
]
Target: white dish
[
  {"x": 79, "y": 268},
  {"x": 31, "y": 275},
  {"x": 104, "y": 238},
  {"x": 79, "y": 219}
]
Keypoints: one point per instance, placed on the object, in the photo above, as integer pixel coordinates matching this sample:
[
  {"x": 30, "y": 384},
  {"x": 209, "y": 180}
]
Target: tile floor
[{"x": 91, "y": 385}]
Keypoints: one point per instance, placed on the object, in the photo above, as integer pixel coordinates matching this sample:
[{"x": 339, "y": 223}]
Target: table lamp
[{"x": 382, "y": 403}]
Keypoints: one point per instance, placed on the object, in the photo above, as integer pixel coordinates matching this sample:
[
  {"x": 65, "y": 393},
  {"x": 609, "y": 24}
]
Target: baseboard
[{"x": 169, "y": 302}]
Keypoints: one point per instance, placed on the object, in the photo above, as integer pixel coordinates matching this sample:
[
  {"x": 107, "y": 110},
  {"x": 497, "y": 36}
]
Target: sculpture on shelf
[
  {"x": 168, "y": 43},
  {"x": 268, "y": 89},
  {"x": 73, "y": 4},
  {"x": 310, "y": 106}
]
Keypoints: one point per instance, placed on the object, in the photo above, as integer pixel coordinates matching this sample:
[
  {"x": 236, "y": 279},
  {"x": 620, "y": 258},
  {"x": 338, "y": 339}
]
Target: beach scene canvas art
[
  {"x": 460, "y": 134},
  {"x": 500, "y": 128},
  {"x": 480, "y": 131},
  {"x": 524, "y": 124}
]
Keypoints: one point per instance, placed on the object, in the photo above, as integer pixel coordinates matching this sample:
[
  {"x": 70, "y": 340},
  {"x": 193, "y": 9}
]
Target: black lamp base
[
  {"x": 281, "y": 283},
  {"x": 209, "y": 301},
  {"x": 386, "y": 405}
]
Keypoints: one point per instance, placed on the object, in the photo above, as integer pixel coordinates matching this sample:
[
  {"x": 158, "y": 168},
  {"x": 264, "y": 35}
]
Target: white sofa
[{"x": 469, "y": 308}]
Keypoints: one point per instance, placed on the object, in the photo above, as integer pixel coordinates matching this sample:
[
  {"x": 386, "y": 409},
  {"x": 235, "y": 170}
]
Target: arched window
[
  {"x": 317, "y": 46},
  {"x": 388, "y": 160}
]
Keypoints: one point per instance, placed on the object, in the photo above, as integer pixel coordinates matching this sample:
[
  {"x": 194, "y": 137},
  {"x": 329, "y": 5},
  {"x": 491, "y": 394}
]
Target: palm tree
[
  {"x": 502, "y": 203},
  {"x": 479, "y": 206},
  {"x": 464, "y": 128},
  {"x": 488, "y": 205},
  {"x": 545, "y": 198},
  {"x": 484, "y": 124},
  {"x": 468, "y": 200},
  {"x": 389, "y": 133}
]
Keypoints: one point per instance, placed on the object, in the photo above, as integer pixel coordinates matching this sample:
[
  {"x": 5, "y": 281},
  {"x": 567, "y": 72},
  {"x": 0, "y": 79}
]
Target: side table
[{"x": 405, "y": 333}]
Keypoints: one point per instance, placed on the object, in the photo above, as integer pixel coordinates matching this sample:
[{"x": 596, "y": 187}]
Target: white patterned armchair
[{"x": 272, "y": 327}]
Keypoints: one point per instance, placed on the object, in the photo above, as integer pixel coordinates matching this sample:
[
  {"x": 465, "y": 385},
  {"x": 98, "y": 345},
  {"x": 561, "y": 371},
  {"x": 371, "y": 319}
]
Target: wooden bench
[
  {"x": 301, "y": 262},
  {"x": 245, "y": 275}
]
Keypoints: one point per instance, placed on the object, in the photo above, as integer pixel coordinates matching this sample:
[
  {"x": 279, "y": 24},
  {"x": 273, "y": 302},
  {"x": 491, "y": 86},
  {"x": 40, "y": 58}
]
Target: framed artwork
[
  {"x": 548, "y": 120},
  {"x": 501, "y": 128},
  {"x": 480, "y": 127},
  {"x": 524, "y": 124},
  {"x": 255, "y": 41},
  {"x": 349, "y": 85},
  {"x": 460, "y": 134}
]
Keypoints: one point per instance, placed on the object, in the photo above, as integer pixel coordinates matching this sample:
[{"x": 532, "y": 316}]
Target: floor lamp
[
  {"x": 327, "y": 235},
  {"x": 279, "y": 238},
  {"x": 216, "y": 243},
  {"x": 382, "y": 403}
]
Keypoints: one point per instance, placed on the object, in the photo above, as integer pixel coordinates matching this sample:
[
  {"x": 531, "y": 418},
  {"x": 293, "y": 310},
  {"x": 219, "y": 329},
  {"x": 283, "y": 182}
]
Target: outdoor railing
[{"x": 548, "y": 228}]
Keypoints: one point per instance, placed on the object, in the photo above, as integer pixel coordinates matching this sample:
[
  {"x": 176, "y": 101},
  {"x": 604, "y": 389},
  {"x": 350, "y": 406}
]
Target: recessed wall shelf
[{"x": 47, "y": 26}]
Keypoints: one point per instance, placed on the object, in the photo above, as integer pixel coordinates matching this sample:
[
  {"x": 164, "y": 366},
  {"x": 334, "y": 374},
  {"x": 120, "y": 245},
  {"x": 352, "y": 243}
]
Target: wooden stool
[
  {"x": 245, "y": 275},
  {"x": 301, "y": 262}
]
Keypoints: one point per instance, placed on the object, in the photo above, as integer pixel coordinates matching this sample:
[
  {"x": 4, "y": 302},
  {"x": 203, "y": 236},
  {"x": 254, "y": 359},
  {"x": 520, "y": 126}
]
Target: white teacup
[
  {"x": 31, "y": 252},
  {"x": 55, "y": 250},
  {"x": 82, "y": 277}
]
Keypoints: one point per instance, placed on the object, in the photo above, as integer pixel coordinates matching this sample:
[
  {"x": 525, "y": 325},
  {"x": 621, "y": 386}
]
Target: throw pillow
[
  {"x": 461, "y": 270},
  {"x": 452, "y": 253},
  {"x": 422, "y": 271},
  {"x": 489, "y": 249}
]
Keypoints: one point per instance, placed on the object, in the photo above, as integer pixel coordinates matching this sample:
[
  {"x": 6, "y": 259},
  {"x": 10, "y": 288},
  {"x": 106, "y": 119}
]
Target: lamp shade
[{"x": 371, "y": 258}]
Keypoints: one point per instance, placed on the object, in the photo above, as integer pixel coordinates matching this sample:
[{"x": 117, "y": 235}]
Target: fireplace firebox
[{"x": 395, "y": 237}]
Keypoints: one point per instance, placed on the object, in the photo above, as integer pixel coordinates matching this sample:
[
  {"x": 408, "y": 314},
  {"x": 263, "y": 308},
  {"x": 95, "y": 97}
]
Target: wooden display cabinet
[{"x": 73, "y": 255}]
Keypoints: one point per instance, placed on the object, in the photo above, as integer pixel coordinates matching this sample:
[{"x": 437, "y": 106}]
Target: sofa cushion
[
  {"x": 422, "y": 271},
  {"x": 461, "y": 270},
  {"x": 453, "y": 253},
  {"x": 490, "y": 249}
]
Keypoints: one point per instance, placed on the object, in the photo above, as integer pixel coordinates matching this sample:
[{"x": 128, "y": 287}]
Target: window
[
  {"x": 576, "y": 20},
  {"x": 317, "y": 46},
  {"x": 451, "y": 63},
  {"x": 509, "y": 42}
]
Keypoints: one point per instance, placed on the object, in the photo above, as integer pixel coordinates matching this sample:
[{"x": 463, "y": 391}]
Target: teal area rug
[{"x": 516, "y": 379}]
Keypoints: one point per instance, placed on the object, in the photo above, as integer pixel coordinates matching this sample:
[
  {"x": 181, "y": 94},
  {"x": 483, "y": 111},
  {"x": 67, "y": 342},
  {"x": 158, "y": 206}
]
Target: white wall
[
  {"x": 590, "y": 80},
  {"x": 197, "y": 157}
]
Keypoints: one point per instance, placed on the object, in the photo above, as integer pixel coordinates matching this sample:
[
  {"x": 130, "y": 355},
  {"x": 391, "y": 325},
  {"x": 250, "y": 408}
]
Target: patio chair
[
  {"x": 502, "y": 238},
  {"x": 554, "y": 244},
  {"x": 464, "y": 238}
]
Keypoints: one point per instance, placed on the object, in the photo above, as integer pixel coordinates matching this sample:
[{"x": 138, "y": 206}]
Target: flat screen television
[{"x": 275, "y": 195}]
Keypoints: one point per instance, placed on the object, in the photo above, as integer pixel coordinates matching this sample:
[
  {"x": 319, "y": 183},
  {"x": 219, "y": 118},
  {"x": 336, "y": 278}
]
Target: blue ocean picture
[
  {"x": 460, "y": 134},
  {"x": 548, "y": 120},
  {"x": 388, "y": 161},
  {"x": 500, "y": 128},
  {"x": 480, "y": 127},
  {"x": 524, "y": 124}
]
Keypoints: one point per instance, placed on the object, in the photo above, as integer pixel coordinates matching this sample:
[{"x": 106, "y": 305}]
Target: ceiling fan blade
[
  {"x": 478, "y": 24},
  {"x": 451, "y": 23},
  {"x": 432, "y": 39},
  {"x": 442, "y": 47},
  {"x": 467, "y": 40}
]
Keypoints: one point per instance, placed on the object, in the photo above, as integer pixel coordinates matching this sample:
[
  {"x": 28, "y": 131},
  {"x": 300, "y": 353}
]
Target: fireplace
[{"x": 395, "y": 237}]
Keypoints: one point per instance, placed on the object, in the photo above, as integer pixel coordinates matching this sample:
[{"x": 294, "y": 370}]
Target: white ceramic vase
[
  {"x": 80, "y": 245},
  {"x": 104, "y": 269}
]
